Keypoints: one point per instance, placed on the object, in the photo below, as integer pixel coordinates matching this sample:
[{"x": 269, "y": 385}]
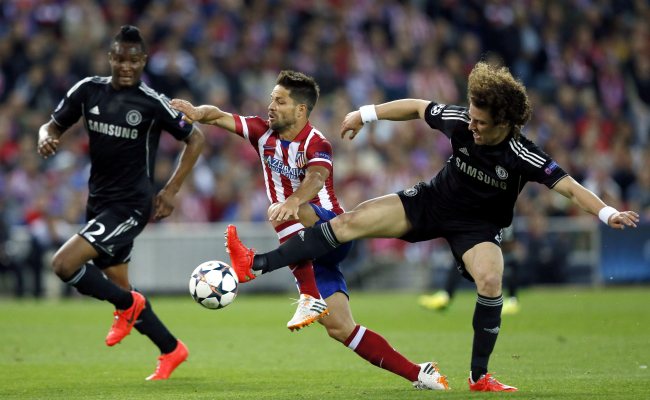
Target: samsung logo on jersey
[
  {"x": 112, "y": 130},
  {"x": 278, "y": 166},
  {"x": 480, "y": 175}
]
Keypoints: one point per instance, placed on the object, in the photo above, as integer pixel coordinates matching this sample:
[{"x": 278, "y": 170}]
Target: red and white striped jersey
[{"x": 285, "y": 163}]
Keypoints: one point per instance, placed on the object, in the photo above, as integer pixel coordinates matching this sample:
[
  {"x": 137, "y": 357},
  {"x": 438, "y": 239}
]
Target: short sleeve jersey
[
  {"x": 124, "y": 128},
  {"x": 285, "y": 163},
  {"x": 480, "y": 181}
]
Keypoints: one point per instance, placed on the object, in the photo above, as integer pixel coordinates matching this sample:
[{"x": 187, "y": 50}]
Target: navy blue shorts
[{"x": 327, "y": 268}]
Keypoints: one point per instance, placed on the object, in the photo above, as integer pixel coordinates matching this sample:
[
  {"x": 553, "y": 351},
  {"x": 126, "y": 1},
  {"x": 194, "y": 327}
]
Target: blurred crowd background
[{"x": 586, "y": 64}]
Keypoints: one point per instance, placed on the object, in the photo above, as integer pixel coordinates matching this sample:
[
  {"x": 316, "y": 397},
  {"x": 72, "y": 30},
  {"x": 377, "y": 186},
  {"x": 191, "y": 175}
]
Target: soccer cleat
[
  {"x": 510, "y": 306},
  {"x": 437, "y": 301},
  {"x": 168, "y": 362},
  {"x": 125, "y": 319},
  {"x": 430, "y": 378},
  {"x": 489, "y": 384},
  {"x": 241, "y": 257},
  {"x": 310, "y": 310}
]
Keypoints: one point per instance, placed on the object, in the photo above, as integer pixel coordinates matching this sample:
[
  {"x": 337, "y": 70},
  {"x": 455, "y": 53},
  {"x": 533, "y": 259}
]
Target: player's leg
[
  {"x": 111, "y": 231},
  {"x": 310, "y": 305},
  {"x": 71, "y": 264},
  {"x": 367, "y": 344},
  {"x": 375, "y": 349},
  {"x": 172, "y": 351},
  {"x": 484, "y": 262},
  {"x": 380, "y": 217},
  {"x": 303, "y": 271}
]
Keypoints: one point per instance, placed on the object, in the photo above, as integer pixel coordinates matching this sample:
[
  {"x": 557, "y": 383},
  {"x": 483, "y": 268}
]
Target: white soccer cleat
[
  {"x": 430, "y": 378},
  {"x": 310, "y": 310}
]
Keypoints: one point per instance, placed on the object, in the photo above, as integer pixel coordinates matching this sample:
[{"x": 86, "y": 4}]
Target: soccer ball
[{"x": 213, "y": 284}]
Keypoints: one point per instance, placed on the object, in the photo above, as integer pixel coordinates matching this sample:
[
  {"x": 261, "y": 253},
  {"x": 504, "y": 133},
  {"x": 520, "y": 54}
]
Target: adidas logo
[
  {"x": 94, "y": 110},
  {"x": 318, "y": 306},
  {"x": 494, "y": 330},
  {"x": 464, "y": 151},
  {"x": 301, "y": 234}
]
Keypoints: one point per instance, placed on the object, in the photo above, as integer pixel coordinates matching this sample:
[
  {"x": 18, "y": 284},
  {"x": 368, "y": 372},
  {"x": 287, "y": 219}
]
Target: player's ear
[{"x": 302, "y": 109}]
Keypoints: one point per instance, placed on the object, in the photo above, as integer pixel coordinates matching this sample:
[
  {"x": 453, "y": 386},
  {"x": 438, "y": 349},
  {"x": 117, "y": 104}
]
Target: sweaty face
[
  {"x": 127, "y": 61},
  {"x": 282, "y": 110},
  {"x": 484, "y": 130}
]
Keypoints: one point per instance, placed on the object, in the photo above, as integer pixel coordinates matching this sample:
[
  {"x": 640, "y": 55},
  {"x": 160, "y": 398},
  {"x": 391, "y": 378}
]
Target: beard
[{"x": 278, "y": 125}]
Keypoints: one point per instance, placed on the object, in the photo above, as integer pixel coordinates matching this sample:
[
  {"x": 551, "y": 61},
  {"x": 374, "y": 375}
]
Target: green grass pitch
[{"x": 569, "y": 343}]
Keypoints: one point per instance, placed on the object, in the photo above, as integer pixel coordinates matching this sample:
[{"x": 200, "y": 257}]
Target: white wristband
[
  {"x": 605, "y": 213},
  {"x": 368, "y": 113}
]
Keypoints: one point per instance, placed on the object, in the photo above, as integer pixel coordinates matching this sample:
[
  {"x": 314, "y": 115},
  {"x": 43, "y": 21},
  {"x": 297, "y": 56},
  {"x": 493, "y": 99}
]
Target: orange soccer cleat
[
  {"x": 489, "y": 384},
  {"x": 167, "y": 363},
  {"x": 125, "y": 319},
  {"x": 241, "y": 257}
]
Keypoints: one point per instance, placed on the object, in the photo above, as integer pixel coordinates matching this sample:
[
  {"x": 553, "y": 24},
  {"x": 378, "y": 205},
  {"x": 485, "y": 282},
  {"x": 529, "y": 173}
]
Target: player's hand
[
  {"x": 284, "y": 211},
  {"x": 622, "y": 219},
  {"x": 351, "y": 123},
  {"x": 47, "y": 146},
  {"x": 163, "y": 204},
  {"x": 190, "y": 113}
]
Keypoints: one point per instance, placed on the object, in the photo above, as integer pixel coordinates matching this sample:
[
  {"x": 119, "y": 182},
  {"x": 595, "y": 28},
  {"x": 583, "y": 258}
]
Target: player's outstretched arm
[
  {"x": 591, "y": 203},
  {"x": 205, "y": 114},
  {"x": 48, "y": 138},
  {"x": 397, "y": 110}
]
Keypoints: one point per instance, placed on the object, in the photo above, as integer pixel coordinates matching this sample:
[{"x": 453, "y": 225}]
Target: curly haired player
[{"x": 468, "y": 202}]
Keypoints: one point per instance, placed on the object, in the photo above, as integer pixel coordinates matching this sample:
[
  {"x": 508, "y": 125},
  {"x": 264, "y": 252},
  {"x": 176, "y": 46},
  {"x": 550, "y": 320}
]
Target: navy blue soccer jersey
[
  {"x": 481, "y": 181},
  {"x": 124, "y": 128}
]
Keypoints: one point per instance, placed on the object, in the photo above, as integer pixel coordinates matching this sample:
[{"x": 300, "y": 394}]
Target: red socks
[
  {"x": 304, "y": 271},
  {"x": 377, "y": 351},
  {"x": 305, "y": 279}
]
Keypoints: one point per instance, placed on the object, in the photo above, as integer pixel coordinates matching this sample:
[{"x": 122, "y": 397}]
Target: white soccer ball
[{"x": 213, "y": 284}]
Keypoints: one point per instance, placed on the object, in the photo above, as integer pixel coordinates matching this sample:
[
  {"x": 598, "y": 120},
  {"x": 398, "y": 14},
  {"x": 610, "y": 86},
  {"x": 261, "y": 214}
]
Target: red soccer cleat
[
  {"x": 125, "y": 319},
  {"x": 241, "y": 257},
  {"x": 167, "y": 363},
  {"x": 489, "y": 384}
]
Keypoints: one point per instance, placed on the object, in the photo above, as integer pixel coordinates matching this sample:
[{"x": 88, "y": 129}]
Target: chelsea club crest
[{"x": 501, "y": 172}]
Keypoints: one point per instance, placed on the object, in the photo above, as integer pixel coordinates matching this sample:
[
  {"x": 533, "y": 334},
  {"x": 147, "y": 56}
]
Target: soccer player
[
  {"x": 297, "y": 164},
  {"x": 124, "y": 119},
  {"x": 468, "y": 202}
]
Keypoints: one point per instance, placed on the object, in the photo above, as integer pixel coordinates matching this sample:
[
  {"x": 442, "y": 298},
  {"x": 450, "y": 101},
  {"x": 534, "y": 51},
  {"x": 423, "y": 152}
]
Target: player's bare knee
[
  {"x": 344, "y": 226},
  {"x": 61, "y": 266},
  {"x": 489, "y": 284}
]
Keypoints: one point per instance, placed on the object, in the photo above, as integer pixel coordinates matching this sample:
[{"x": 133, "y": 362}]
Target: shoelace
[{"x": 297, "y": 301}]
